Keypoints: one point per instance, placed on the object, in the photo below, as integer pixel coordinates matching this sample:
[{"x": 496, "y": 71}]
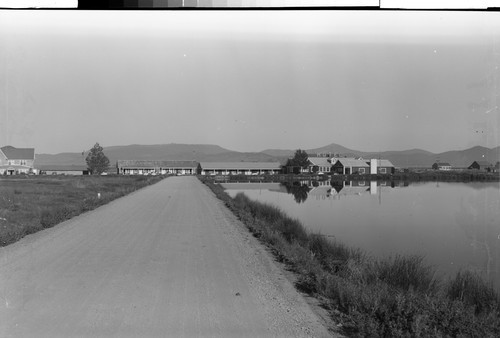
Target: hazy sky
[{"x": 250, "y": 80}]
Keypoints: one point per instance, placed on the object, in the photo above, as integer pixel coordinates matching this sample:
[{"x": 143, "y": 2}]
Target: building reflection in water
[{"x": 301, "y": 190}]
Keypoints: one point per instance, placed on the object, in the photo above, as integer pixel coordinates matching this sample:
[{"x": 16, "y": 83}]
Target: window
[
  {"x": 361, "y": 170},
  {"x": 383, "y": 170}
]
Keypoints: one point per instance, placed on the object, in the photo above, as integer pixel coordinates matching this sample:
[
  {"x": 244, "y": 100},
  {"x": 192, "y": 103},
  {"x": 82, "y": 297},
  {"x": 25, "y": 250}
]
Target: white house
[
  {"x": 16, "y": 160},
  {"x": 444, "y": 166}
]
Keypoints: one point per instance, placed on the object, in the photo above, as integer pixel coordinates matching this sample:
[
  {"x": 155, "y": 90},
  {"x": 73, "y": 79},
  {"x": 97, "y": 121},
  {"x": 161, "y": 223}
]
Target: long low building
[
  {"x": 131, "y": 167},
  {"x": 239, "y": 168}
]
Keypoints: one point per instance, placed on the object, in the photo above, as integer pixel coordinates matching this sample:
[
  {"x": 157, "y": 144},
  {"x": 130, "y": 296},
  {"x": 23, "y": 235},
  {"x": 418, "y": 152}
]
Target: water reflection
[
  {"x": 301, "y": 190},
  {"x": 298, "y": 189},
  {"x": 453, "y": 225}
]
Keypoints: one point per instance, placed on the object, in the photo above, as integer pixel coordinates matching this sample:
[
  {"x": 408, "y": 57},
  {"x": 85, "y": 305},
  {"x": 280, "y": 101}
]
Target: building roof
[
  {"x": 483, "y": 163},
  {"x": 351, "y": 162},
  {"x": 321, "y": 191},
  {"x": 443, "y": 164},
  {"x": 62, "y": 167},
  {"x": 14, "y": 167},
  {"x": 240, "y": 165},
  {"x": 385, "y": 163},
  {"x": 320, "y": 161},
  {"x": 156, "y": 164},
  {"x": 18, "y": 153},
  {"x": 357, "y": 190}
]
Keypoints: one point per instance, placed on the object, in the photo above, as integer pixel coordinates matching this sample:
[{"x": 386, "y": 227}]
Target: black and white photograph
[{"x": 237, "y": 168}]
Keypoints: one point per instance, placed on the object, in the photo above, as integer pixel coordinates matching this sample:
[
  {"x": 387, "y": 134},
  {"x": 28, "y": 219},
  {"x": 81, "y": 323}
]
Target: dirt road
[{"x": 166, "y": 261}]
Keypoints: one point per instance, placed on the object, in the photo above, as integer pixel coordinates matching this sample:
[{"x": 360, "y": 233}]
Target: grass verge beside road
[
  {"x": 32, "y": 203},
  {"x": 369, "y": 297}
]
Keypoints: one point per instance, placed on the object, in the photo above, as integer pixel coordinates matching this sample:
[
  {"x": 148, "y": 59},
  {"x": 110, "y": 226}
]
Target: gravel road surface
[{"x": 167, "y": 261}]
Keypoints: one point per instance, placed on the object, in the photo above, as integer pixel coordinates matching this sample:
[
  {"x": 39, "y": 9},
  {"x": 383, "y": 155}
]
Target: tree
[
  {"x": 300, "y": 159},
  {"x": 97, "y": 161}
]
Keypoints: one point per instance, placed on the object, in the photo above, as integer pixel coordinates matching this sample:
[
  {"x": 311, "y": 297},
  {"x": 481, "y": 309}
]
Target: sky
[{"x": 250, "y": 80}]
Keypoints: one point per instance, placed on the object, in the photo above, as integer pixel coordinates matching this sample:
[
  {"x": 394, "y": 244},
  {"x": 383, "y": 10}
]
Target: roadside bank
[{"x": 394, "y": 297}]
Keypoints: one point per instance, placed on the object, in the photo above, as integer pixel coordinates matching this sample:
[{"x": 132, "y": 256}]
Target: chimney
[{"x": 373, "y": 166}]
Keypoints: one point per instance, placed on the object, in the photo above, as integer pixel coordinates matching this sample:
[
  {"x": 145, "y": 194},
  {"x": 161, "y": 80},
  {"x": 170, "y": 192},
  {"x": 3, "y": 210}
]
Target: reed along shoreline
[{"x": 399, "y": 296}]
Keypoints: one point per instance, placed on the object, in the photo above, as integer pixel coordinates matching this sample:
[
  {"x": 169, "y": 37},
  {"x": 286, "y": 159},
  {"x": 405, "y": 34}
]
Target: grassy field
[
  {"x": 399, "y": 297},
  {"x": 32, "y": 203}
]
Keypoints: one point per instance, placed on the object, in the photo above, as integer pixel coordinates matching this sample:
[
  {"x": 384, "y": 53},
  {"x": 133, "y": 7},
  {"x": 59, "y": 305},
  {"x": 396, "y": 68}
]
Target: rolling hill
[{"x": 179, "y": 152}]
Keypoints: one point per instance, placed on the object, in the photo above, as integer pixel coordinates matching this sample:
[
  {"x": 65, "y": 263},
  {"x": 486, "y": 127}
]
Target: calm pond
[{"x": 454, "y": 225}]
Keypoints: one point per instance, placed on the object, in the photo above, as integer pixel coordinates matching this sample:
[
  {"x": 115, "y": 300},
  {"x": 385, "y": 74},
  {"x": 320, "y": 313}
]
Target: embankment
[{"x": 370, "y": 297}]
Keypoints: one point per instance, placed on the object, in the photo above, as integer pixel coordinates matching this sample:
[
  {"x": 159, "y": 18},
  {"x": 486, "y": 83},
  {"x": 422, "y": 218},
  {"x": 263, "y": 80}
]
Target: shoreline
[{"x": 431, "y": 176}]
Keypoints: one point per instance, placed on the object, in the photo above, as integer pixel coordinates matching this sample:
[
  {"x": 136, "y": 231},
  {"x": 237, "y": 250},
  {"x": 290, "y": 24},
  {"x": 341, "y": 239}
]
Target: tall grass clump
[
  {"x": 407, "y": 273},
  {"x": 471, "y": 289},
  {"x": 394, "y": 297}
]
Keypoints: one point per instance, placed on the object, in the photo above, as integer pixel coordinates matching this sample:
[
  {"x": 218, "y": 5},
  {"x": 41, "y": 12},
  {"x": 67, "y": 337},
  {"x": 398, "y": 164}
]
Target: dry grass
[{"x": 31, "y": 203}]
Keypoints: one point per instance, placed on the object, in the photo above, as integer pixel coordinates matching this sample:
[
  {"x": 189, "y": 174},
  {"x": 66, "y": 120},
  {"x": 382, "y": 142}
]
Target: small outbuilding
[
  {"x": 443, "y": 166},
  {"x": 481, "y": 166}
]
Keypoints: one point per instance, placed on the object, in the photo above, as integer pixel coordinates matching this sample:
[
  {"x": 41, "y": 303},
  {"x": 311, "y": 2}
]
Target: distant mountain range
[
  {"x": 406, "y": 158},
  {"x": 173, "y": 151},
  {"x": 214, "y": 153}
]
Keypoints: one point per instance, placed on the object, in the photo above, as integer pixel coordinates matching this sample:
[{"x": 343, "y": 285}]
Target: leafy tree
[
  {"x": 300, "y": 159},
  {"x": 96, "y": 160}
]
